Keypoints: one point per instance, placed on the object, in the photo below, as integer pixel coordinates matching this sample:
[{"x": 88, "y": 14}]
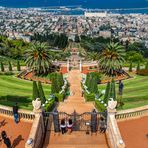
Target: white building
[{"x": 95, "y": 14}]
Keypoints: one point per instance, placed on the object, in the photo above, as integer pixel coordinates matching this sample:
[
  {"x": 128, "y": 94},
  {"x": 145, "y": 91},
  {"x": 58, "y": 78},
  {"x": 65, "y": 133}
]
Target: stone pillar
[
  {"x": 94, "y": 121},
  {"x": 56, "y": 121}
]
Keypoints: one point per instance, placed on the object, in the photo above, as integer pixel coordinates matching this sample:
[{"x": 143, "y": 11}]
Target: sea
[{"x": 77, "y": 7}]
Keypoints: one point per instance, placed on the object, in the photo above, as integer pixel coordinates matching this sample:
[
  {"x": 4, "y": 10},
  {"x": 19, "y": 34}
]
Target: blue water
[
  {"x": 89, "y": 4},
  {"x": 101, "y": 4}
]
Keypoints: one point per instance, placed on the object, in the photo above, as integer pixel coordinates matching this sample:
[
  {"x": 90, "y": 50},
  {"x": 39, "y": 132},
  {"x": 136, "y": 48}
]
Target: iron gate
[{"x": 87, "y": 121}]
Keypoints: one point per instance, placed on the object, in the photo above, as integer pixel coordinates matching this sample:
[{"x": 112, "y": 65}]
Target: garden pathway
[{"x": 75, "y": 102}]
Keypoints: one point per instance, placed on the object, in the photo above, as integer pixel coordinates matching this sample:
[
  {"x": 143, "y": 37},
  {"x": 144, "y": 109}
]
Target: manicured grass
[
  {"x": 135, "y": 92},
  {"x": 14, "y": 90}
]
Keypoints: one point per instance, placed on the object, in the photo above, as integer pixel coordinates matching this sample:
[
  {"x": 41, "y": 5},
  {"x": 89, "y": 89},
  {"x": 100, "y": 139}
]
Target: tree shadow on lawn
[{"x": 11, "y": 100}]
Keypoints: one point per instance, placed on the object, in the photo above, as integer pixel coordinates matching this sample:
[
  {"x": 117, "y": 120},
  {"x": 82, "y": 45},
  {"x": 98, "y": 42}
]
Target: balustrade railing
[
  {"x": 24, "y": 114},
  {"x": 132, "y": 113}
]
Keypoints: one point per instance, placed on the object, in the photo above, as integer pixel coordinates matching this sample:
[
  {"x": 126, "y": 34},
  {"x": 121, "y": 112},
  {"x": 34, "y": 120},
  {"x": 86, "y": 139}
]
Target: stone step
[{"x": 77, "y": 146}]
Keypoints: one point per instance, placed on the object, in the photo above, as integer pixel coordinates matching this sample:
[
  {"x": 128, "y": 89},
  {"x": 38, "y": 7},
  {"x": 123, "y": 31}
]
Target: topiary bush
[
  {"x": 89, "y": 97},
  {"x": 35, "y": 91},
  {"x": 50, "y": 105},
  {"x": 100, "y": 107}
]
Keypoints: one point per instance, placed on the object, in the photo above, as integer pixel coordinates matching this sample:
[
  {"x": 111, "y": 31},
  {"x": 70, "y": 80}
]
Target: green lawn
[
  {"x": 135, "y": 92},
  {"x": 14, "y": 90}
]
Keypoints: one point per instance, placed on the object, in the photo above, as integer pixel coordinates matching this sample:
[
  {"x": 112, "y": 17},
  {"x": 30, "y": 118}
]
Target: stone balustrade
[
  {"x": 24, "y": 114},
  {"x": 132, "y": 113}
]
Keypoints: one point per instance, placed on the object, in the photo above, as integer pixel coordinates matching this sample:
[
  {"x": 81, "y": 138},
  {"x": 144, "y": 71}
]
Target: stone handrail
[
  {"x": 37, "y": 132},
  {"x": 113, "y": 134},
  {"x": 132, "y": 113},
  {"x": 24, "y": 114}
]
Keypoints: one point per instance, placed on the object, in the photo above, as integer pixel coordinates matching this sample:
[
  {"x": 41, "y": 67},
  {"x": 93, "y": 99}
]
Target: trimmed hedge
[
  {"x": 100, "y": 107},
  {"x": 143, "y": 72},
  {"x": 59, "y": 97},
  {"x": 89, "y": 97},
  {"x": 50, "y": 105}
]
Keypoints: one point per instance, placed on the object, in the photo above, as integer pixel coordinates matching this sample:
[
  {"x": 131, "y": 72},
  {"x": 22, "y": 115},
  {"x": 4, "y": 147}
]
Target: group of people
[{"x": 66, "y": 126}]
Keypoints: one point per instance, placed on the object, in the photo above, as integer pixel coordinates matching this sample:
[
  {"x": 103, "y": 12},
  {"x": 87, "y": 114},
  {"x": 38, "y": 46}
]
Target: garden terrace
[
  {"x": 17, "y": 90},
  {"x": 135, "y": 93}
]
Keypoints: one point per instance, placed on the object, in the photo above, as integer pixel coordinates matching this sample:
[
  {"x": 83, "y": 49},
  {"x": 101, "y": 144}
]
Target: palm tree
[
  {"x": 38, "y": 58},
  {"x": 92, "y": 56},
  {"x": 112, "y": 58}
]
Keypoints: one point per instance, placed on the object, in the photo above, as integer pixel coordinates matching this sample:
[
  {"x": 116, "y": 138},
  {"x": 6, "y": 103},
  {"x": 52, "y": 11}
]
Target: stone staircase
[
  {"x": 75, "y": 102},
  {"x": 76, "y": 140}
]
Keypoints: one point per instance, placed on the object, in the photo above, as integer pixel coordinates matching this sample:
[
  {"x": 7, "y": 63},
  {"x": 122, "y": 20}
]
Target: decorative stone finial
[
  {"x": 36, "y": 105},
  {"x": 112, "y": 104}
]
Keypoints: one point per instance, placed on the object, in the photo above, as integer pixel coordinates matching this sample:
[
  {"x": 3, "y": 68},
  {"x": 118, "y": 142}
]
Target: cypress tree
[
  {"x": 18, "y": 66},
  {"x": 35, "y": 93},
  {"x": 131, "y": 67},
  {"x": 10, "y": 66},
  {"x": 112, "y": 93},
  {"x": 2, "y": 67},
  {"x": 138, "y": 66},
  {"x": 41, "y": 92},
  {"x": 146, "y": 66},
  {"x": 106, "y": 96}
]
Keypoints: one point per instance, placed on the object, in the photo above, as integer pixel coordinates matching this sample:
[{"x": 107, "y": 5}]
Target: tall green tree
[
  {"x": 38, "y": 58},
  {"x": 112, "y": 58},
  {"x": 146, "y": 65},
  {"x": 41, "y": 92},
  {"x": 138, "y": 66},
  {"x": 35, "y": 91},
  {"x": 106, "y": 96},
  {"x": 18, "y": 66},
  {"x": 131, "y": 67},
  {"x": 2, "y": 67},
  {"x": 10, "y": 66},
  {"x": 112, "y": 93}
]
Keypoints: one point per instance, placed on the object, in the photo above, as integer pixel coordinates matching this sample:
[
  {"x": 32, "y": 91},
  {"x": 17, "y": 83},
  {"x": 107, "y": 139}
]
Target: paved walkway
[
  {"x": 18, "y": 133},
  {"x": 134, "y": 132},
  {"x": 75, "y": 102}
]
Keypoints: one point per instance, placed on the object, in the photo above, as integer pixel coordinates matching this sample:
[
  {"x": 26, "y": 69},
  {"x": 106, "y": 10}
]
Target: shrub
[
  {"x": 100, "y": 107},
  {"x": 89, "y": 97},
  {"x": 59, "y": 97},
  {"x": 50, "y": 105},
  {"x": 143, "y": 72}
]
